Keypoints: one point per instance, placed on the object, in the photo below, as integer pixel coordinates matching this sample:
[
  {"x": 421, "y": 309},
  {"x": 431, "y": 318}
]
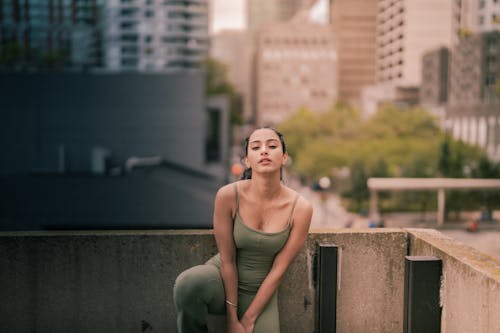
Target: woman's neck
[{"x": 265, "y": 187}]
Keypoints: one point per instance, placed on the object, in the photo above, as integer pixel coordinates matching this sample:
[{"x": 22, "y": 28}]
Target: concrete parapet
[
  {"x": 470, "y": 288},
  {"x": 121, "y": 281}
]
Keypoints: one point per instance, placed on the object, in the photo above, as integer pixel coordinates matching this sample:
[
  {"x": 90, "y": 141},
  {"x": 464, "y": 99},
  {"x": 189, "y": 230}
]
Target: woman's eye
[
  {"x": 273, "y": 147},
  {"x": 255, "y": 148}
]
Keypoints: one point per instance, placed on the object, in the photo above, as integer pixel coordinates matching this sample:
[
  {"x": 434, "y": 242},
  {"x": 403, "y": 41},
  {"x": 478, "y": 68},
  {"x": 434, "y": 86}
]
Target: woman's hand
[
  {"x": 247, "y": 324},
  {"x": 235, "y": 327}
]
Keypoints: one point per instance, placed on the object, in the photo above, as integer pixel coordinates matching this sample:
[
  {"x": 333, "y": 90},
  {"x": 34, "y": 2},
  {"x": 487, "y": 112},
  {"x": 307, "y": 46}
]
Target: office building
[
  {"x": 296, "y": 67},
  {"x": 42, "y": 34},
  {"x": 156, "y": 35},
  {"x": 403, "y": 37},
  {"x": 354, "y": 22},
  {"x": 406, "y": 29},
  {"x": 473, "y": 110},
  {"x": 435, "y": 75},
  {"x": 488, "y": 15},
  {"x": 262, "y": 12}
]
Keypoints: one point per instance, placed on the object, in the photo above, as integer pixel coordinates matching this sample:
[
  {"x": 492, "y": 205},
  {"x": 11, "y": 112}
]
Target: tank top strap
[
  {"x": 293, "y": 208},
  {"x": 237, "y": 199}
]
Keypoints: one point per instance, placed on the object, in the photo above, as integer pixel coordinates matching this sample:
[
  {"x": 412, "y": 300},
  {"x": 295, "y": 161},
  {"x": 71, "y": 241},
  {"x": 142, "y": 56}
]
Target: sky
[{"x": 227, "y": 14}]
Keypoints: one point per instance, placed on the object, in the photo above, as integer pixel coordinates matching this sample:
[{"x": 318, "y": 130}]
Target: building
[
  {"x": 262, "y": 12},
  {"x": 402, "y": 40},
  {"x": 233, "y": 48},
  {"x": 109, "y": 150},
  {"x": 51, "y": 34},
  {"x": 488, "y": 15},
  {"x": 473, "y": 110},
  {"x": 354, "y": 22},
  {"x": 67, "y": 117},
  {"x": 296, "y": 67},
  {"x": 156, "y": 35},
  {"x": 435, "y": 75}
]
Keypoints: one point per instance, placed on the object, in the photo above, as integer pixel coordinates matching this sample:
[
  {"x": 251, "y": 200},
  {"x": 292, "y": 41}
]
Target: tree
[{"x": 217, "y": 83}]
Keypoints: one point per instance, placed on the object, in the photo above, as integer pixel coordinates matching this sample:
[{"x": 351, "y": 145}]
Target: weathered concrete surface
[
  {"x": 112, "y": 281},
  {"x": 470, "y": 292},
  {"x": 371, "y": 292},
  {"x": 94, "y": 281}
]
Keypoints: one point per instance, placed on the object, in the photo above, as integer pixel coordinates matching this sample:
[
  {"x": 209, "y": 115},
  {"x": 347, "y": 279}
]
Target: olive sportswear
[{"x": 199, "y": 290}]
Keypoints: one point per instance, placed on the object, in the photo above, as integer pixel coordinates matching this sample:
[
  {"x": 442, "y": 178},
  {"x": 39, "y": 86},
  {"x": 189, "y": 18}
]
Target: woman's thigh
[{"x": 201, "y": 282}]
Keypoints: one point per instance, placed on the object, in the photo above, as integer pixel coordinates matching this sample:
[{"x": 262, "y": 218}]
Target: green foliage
[
  {"x": 16, "y": 56},
  {"x": 394, "y": 142},
  {"x": 217, "y": 83},
  {"x": 320, "y": 142}
]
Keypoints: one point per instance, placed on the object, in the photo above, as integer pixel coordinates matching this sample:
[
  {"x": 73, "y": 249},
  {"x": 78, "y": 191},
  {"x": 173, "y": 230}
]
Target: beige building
[
  {"x": 296, "y": 67},
  {"x": 233, "y": 48},
  {"x": 488, "y": 15},
  {"x": 354, "y": 22},
  {"x": 406, "y": 30},
  {"x": 262, "y": 12}
]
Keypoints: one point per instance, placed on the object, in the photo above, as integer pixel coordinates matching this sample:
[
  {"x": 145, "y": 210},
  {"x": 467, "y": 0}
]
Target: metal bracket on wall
[
  {"x": 422, "y": 310},
  {"x": 325, "y": 277}
]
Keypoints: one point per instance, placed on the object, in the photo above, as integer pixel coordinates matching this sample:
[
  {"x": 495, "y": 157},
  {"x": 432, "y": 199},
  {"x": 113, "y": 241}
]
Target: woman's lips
[{"x": 264, "y": 161}]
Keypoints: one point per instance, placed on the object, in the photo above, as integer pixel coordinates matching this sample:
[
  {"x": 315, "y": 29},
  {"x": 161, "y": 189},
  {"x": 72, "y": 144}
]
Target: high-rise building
[
  {"x": 435, "y": 69},
  {"x": 488, "y": 15},
  {"x": 261, "y": 12},
  {"x": 296, "y": 67},
  {"x": 156, "y": 35},
  {"x": 354, "y": 22},
  {"x": 51, "y": 33},
  {"x": 473, "y": 110},
  {"x": 407, "y": 29}
]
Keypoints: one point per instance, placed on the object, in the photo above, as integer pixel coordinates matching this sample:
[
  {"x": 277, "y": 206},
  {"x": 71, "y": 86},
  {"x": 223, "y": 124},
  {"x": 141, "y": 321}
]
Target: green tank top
[{"x": 255, "y": 250}]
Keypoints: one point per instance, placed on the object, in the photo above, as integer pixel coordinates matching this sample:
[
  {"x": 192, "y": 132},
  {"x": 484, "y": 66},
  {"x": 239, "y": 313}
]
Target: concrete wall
[
  {"x": 470, "y": 291},
  {"x": 119, "y": 281},
  {"x": 122, "y": 281}
]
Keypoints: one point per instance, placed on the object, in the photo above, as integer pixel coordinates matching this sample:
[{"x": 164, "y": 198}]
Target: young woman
[{"x": 260, "y": 225}]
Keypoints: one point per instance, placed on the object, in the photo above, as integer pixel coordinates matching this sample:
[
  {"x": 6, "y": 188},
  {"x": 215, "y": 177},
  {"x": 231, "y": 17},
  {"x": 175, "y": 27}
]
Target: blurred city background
[{"x": 129, "y": 114}]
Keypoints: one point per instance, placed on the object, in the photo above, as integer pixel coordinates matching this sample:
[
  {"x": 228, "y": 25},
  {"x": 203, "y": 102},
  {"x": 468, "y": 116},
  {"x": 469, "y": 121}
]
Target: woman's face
[{"x": 265, "y": 152}]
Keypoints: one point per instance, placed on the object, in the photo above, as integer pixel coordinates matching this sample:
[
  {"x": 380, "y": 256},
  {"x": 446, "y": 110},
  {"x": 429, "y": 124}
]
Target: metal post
[
  {"x": 422, "y": 311},
  {"x": 326, "y": 288}
]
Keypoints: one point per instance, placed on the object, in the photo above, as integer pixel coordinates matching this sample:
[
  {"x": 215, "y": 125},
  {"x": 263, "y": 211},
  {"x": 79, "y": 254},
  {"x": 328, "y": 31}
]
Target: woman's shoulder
[
  {"x": 228, "y": 191},
  {"x": 302, "y": 205}
]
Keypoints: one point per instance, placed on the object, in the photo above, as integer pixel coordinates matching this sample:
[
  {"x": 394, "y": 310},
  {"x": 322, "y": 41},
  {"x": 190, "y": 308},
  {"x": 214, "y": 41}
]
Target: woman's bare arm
[
  {"x": 223, "y": 229},
  {"x": 296, "y": 239}
]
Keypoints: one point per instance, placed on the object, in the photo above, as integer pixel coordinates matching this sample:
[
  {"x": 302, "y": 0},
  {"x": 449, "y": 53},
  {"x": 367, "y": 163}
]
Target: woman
[{"x": 260, "y": 225}]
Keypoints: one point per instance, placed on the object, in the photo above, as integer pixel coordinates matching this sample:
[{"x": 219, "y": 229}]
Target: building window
[
  {"x": 490, "y": 80},
  {"x": 481, "y": 20}
]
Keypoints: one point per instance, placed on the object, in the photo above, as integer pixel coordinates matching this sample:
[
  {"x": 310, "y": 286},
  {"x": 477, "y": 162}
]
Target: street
[{"x": 329, "y": 213}]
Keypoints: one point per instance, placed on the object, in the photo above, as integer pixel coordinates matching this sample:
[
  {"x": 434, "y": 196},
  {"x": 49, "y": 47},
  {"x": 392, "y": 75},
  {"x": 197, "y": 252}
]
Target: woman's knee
[{"x": 189, "y": 286}]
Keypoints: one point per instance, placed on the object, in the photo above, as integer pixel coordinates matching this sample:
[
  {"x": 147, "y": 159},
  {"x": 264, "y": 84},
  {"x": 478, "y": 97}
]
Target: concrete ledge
[
  {"x": 470, "y": 291},
  {"x": 121, "y": 281}
]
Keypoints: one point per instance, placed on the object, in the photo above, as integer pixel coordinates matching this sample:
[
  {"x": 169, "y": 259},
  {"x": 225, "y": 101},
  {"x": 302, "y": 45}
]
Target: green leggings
[{"x": 198, "y": 291}]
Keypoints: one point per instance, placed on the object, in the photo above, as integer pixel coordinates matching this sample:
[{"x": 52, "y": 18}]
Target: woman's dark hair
[{"x": 247, "y": 173}]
